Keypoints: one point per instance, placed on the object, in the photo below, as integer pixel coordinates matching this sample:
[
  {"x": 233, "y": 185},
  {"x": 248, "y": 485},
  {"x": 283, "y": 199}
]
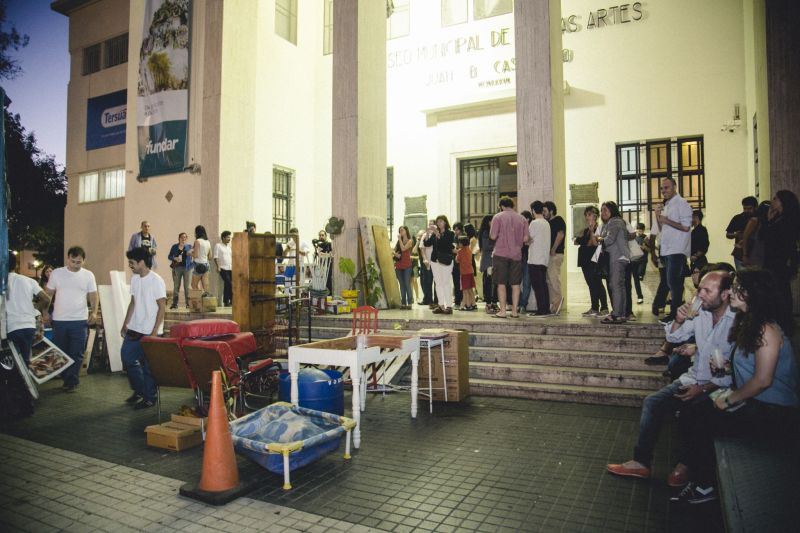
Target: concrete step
[
  {"x": 563, "y": 375},
  {"x": 559, "y": 393},
  {"x": 568, "y": 358},
  {"x": 523, "y": 325}
]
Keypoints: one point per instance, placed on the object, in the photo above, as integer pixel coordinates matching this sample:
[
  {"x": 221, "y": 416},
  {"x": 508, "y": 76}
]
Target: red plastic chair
[{"x": 365, "y": 320}]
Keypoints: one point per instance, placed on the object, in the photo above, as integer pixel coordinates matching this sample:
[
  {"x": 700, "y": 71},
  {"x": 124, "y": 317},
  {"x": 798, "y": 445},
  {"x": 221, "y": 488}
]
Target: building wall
[
  {"x": 96, "y": 226},
  {"x": 677, "y": 72}
]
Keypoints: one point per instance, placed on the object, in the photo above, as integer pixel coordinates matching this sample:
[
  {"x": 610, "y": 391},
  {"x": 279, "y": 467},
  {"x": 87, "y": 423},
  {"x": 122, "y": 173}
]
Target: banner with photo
[{"x": 163, "y": 88}]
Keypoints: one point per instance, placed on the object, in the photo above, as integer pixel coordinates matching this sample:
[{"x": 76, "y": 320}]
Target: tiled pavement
[{"x": 490, "y": 464}]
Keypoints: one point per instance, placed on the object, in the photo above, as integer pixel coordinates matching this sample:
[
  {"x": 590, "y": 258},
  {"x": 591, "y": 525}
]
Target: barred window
[
  {"x": 484, "y": 9},
  {"x": 286, "y": 19},
  {"x": 399, "y": 23},
  {"x": 282, "y": 199},
  {"x": 115, "y": 51},
  {"x": 327, "y": 28},
  {"x": 91, "y": 59}
]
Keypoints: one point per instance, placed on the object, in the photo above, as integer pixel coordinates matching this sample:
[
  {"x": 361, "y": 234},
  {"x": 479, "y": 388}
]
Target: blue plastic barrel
[{"x": 318, "y": 389}]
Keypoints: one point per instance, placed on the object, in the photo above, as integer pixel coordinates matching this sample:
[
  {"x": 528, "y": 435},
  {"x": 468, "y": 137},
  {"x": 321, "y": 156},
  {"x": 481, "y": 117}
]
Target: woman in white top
[{"x": 201, "y": 253}]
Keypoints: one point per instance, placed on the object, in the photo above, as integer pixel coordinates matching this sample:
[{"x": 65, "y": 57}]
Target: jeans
[
  {"x": 426, "y": 278},
  {"x": 457, "y": 283},
  {"x": 404, "y": 277},
  {"x": 23, "y": 340},
  {"x": 675, "y": 264},
  {"x": 637, "y": 271},
  {"x": 538, "y": 277},
  {"x": 180, "y": 274},
  {"x": 526, "y": 285},
  {"x": 70, "y": 336},
  {"x": 443, "y": 277},
  {"x": 597, "y": 293},
  {"x": 489, "y": 295},
  {"x": 227, "y": 291},
  {"x": 135, "y": 364},
  {"x": 616, "y": 286},
  {"x": 660, "y": 299},
  {"x": 654, "y": 408}
]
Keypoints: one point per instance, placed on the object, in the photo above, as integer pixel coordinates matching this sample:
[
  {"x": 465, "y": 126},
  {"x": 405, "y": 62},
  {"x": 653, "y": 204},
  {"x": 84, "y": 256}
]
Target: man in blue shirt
[{"x": 180, "y": 257}]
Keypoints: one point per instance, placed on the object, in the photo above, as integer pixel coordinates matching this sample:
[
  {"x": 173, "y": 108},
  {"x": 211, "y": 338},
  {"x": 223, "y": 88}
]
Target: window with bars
[
  {"x": 399, "y": 23},
  {"x": 282, "y": 200},
  {"x": 484, "y": 9},
  {"x": 454, "y": 12},
  {"x": 91, "y": 59},
  {"x": 115, "y": 51},
  {"x": 480, "y": 181},
  {"x": 641, "y": 167},
  {"x": 390, "y": 198},
  {"x": 327, "y": 28},
  {"x": 99, "y": 185},
  {"x": 286, "y": 19}
]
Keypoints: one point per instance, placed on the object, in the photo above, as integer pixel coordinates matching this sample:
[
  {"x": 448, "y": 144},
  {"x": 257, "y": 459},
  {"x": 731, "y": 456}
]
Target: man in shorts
[{"x": 509, "y": 230}]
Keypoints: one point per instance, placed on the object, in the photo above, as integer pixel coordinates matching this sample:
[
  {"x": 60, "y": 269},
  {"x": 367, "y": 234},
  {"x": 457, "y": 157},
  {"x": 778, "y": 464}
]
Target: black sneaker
[
  {"x": 69, "y": 388},
  {"x": 133, "y": 398},
  {"x": 656, "y": 360},
  {"x": 144, "y": 404},
  {"x": 173, "y": 306},
  {"x": 694, "y": 494}
]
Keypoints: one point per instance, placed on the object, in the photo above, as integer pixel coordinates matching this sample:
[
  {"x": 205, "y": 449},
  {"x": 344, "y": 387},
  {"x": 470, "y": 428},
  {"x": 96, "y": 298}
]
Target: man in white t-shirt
[
  {"x": 145, "y": 316},
  {"x": 72, "y": 285},
  {"x": 20, "y": 312},
  {"x": 223, "y": 259},
  {"x": 539, "y": 241},
  {"x": 674, "y": 222}
]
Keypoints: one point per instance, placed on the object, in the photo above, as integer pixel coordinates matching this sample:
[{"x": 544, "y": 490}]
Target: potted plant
[
  {"x": 348, "y": 267},
  {"x": 370, "y": 278}
]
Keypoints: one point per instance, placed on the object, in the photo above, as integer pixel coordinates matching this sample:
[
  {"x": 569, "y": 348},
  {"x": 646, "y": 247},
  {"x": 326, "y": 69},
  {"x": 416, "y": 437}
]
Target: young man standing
[
  {"x": 509, "y": 231},
  {"x": 674, "y": 221},
  {"x": 735, "y": 229},
  {"x": 143, "y": 239},
  {"x": 558, "y": 229},
  {"x": 145, "y": 316},
  {"x": 223, "y": 259},
  {"x": 539, "y": 240},
  {"x": 72, "y": 285}
]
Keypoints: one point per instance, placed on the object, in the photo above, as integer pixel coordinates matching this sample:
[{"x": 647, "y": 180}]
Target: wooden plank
[{"x": 383, "y": 253}]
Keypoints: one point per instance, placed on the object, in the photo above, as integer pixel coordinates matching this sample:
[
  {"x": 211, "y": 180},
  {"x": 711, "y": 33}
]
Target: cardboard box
[
  {"x": 193, "y": 421},
  {"x": 173, "y": 436},
  {"x": 195, "y": 303},
  {"x": 456, "y": 363},
  {"x": 338, "y": 308}
]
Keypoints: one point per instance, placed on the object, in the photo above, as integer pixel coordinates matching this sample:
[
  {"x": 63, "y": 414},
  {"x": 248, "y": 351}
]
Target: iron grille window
[
  {"x": 327, "y": 28},
  {"x": 390, "y": 198},
  {"x": 282, "y": 200},
  {"x": 286, "y": 19},
  {"x": 641, "y": 167},
  {"x": 91, "y": 59},
  {"x": 115, "y": 51},
  {"x": 479, "y": 188}
]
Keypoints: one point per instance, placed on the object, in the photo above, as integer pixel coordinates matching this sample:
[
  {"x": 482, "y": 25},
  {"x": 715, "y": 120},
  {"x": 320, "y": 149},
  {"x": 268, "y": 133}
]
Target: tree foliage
[
  {"x": 37, "y": 195},
  {"x": 10, "y": 39}
]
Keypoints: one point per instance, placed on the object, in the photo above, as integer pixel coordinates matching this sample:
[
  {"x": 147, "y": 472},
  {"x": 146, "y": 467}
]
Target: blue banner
[
  {"x": 105, "y": 120},
  {"x": 162, "y": 109}
]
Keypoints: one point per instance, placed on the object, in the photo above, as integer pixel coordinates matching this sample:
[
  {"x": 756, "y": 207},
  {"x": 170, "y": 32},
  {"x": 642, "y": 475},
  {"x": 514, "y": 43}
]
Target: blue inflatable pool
[{"x": 282, "y": 437}]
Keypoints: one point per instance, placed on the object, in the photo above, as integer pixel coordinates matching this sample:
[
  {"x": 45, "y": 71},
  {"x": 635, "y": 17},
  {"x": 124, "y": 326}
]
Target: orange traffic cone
[{"x": 219, "y": 481}]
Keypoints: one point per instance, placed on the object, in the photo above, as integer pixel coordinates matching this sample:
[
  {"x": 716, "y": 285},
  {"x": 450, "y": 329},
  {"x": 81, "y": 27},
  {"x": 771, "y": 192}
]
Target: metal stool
[{"x": 432, "y": 342}]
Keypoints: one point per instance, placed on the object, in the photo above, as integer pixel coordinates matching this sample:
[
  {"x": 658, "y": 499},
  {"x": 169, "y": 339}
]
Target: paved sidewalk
[{"x": 48, "y": 489}]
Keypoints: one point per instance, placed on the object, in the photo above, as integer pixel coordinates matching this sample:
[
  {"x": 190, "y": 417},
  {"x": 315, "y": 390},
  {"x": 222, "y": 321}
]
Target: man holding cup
[{"x": 710, "y": 329}]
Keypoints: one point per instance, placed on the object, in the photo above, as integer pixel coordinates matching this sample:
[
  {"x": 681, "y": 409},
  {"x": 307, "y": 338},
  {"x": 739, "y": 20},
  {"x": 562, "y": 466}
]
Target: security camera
[{"x": 731, "y": 129}]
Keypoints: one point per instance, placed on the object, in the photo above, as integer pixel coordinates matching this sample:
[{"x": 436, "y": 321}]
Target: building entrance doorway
[{"x": 483, "y": 182}]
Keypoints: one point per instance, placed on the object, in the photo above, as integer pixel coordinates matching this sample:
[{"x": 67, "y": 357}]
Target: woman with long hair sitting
[{"x": 763, "y": 402}]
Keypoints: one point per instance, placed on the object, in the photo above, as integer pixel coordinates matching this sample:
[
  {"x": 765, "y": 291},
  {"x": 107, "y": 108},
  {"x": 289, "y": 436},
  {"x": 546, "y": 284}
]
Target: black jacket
[{"x": 442, "y": 247}]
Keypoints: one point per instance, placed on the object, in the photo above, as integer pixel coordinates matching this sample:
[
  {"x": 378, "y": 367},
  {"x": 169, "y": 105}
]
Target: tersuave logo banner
[
  {"x": 163, "y": 88},
  {"x": 106, "y": 117}
]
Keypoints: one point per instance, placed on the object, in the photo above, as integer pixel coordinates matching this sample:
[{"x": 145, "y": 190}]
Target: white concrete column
[
  {"x": 359, "y": 121},
  {"x": 541, "y": 170}
]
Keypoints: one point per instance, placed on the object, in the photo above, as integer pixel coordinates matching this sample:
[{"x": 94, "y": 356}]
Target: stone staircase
[{"x": 555, "y": 360}]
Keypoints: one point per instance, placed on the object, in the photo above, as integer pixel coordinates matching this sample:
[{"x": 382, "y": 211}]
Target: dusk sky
[{"x": 39, "y": 94}]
